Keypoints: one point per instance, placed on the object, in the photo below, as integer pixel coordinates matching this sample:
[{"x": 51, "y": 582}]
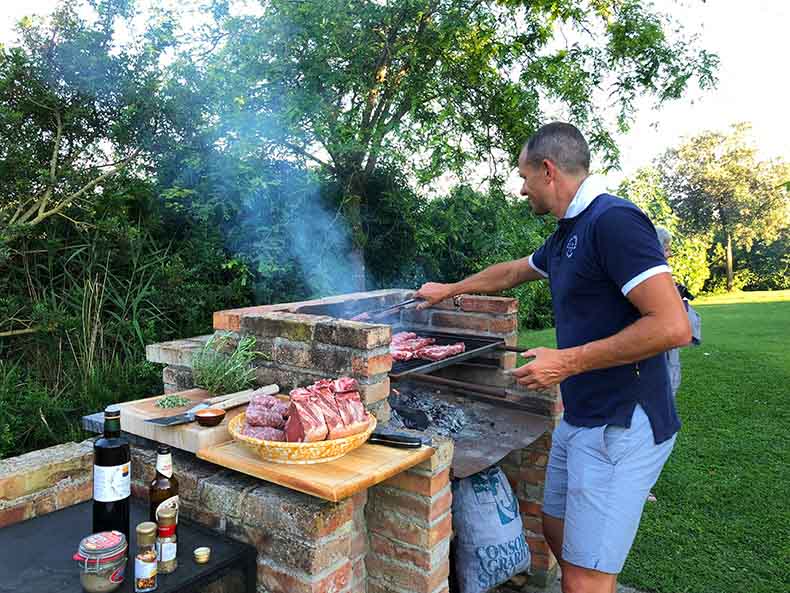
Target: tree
[
  {"x": 76, "y": 108},
  {"x": 689, "y": 249},
  {"x": 432, "y": 85},
  {"x": 715, "y": 183}
]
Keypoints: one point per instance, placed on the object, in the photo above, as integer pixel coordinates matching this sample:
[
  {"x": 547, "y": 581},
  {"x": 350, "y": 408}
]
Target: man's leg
[
  {"x": 577, "y": 579},
  {"x": 552, "y": 531},
  {"x": 555, "y": 490},
  {"x": 610, "y": 472}
]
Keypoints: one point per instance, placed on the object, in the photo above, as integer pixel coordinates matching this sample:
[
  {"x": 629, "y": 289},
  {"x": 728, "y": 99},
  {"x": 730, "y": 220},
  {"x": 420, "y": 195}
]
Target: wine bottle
[
  {"x": 112, "y": 478},
  {"x": 163, "y": 491}
]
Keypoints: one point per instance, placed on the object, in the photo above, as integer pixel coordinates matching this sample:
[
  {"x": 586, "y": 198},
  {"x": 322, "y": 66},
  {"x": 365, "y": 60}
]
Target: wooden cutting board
[
  {"x": 187, "y": 437},
  {"x": 334, "y": 480}
]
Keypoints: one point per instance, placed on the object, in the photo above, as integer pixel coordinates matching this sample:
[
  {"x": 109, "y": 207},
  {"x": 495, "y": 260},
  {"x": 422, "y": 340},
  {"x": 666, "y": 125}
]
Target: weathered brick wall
[
  {"x": 298, "y": 349},
  {"x": 409, "y": 524},
  {"x": 43, "y": 481},
  {"x": 304, "y": 544}
]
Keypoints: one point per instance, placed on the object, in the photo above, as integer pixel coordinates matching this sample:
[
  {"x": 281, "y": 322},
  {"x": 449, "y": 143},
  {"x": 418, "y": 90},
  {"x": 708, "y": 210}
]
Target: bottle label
[
  {"x": 144, "y": 569},
  {"x": 171, "y": 503},
  {"x": 166, "y": 551},
  {"x": 164, "y": 464},
  {"x": 111, "y": 483}
]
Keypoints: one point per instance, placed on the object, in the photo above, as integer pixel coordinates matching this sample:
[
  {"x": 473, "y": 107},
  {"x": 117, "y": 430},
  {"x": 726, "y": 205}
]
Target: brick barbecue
[{"x": 394, "y": 537}]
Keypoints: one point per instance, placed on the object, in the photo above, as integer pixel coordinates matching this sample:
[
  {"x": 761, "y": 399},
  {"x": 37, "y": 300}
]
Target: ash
[{"x": 447, "y": 419}]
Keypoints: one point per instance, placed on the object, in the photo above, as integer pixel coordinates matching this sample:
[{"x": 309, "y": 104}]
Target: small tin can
[{"x": 102, "y": 561}]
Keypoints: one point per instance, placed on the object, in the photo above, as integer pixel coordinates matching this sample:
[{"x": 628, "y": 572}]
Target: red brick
[
  {"x": 419, "y": 484},
  {"x": 414, "y": 317},
  {"x": 533, "y": 475},
  {"x": 276, "y": 579},
  {"x": 503, "y": 325},
  {"x": 460, "y": 321},
  {"x": 535, "y": 458},
  {"x": 538, "y": 545},
  {"x": 359, "y": 572},
  {"x": 373, "y": 365},
  {"x": 359, "y": 544},
  {"x": 16, "y": 514},
  {"x": 407, "y": 578},
  {"x": 395, "y": 527},
  {"x": 488, "y": 304},
  {"x": 375, "y": 392},
  {"x": 533, "y": 524},
  {"x": 543, "y": 562},
  {"x": 72, "y": 494},
  {"x": 423, "y": 558},
  {"x": 534, "y": 509},
  {"x": 425, "y": 508}
]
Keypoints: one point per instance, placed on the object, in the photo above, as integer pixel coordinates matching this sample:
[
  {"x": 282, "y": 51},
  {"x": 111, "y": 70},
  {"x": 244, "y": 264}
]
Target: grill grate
[{"x": 475, "y": 346}]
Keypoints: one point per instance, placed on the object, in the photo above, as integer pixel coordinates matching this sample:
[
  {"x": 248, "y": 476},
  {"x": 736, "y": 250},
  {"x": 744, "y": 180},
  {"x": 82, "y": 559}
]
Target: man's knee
[{"x": 576, "y": 579}]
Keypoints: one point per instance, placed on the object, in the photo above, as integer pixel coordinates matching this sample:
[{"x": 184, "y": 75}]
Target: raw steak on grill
[
  {"x": 305, "y": 422},
  {"x": 267, "y": 433},
  {"x": 415, "y": 344},
  {"x": 440, "y": 352},
  {"x": 257, "y": 416},
  {"x": 401, "y": 337},
  {"x": 402, "y": 355}
]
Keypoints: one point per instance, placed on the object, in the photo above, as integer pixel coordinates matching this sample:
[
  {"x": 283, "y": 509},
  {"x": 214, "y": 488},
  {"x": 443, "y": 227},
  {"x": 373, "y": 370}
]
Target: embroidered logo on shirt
[{"x": 571, "y": 245}]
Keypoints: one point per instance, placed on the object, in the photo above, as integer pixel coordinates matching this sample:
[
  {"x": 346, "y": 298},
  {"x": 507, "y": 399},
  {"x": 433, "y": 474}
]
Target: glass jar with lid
[
  {"x": 145, "y": 561},
  {"x": 102, "y": 560},
  {"x": 166, "y": 546}
]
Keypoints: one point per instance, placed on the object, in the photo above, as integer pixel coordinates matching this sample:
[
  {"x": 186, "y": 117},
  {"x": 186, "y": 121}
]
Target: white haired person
[{"x": 673, "y": 355}]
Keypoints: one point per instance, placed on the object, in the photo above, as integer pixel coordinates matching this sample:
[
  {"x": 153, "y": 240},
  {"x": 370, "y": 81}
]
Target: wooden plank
[
  {"x": 334, "y": 480},
  {"x": 187, "y": 437}
]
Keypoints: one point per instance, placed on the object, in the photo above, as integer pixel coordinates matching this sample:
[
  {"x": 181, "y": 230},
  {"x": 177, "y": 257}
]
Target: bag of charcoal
[{"x": 489, "y": 545}]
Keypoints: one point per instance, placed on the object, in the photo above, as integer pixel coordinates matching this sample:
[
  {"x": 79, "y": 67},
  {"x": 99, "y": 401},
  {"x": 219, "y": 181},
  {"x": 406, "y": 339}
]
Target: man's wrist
[{"x": 574, "y": 360}]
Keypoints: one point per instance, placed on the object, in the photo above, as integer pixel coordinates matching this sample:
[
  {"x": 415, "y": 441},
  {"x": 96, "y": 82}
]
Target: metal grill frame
[{"x": 475, "y": 346}]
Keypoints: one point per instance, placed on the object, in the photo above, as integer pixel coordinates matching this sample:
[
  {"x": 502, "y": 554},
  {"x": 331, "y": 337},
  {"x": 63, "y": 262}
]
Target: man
[{"x": 617, "y": 311}]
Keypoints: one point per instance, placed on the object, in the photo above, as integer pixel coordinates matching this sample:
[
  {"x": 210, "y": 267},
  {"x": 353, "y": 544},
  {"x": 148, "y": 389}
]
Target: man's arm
[
  {"x": 493, "y": 279},
  {"x": 663, "y": 325}
]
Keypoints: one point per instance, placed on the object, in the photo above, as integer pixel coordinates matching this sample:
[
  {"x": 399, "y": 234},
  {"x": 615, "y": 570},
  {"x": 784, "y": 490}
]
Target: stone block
[
  {"x": 279, "y": 579},
  {"x": 291, "y": 326},
  {"x": 353, "y": 334},
  {"x": 38, "y": 470}
]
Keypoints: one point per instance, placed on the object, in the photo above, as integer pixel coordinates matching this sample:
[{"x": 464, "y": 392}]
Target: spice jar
[
  {"x": 102, "y": 560},
  {"x": 166, "y": 546},
  {"x": 145, "y": 562}
]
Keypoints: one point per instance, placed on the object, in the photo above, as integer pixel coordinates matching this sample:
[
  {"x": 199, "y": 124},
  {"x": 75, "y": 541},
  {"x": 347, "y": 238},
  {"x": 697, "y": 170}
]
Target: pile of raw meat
[
  {"x": 408, "y": 346},
  {"x": 326, "y": 409}
]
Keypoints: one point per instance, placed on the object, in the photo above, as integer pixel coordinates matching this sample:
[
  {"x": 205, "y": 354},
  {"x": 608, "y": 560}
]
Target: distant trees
[{"x": 713, "y": 190}]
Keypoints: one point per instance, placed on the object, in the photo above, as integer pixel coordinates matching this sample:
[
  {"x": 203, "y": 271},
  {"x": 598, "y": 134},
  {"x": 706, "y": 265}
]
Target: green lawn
[{"x": 722, "y": 520}]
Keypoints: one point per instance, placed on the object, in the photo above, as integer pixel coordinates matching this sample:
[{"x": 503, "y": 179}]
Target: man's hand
[
  {"x": 432, "y": 293},
  {"x": 550, "y": 367}
]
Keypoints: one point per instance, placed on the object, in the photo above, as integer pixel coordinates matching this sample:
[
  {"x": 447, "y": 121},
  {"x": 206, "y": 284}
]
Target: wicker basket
[{"x": 300, "y": 453}]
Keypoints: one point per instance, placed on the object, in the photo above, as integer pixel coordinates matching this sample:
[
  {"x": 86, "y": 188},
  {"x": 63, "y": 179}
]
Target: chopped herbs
[{"x": 173, "y": 401}]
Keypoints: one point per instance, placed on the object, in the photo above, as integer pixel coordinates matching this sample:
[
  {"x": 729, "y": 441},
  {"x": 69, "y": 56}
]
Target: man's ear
[{"x": 549, "y": 170}]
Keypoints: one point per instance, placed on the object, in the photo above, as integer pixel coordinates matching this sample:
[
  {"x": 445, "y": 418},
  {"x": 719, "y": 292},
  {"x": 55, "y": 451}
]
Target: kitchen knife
[{"x": 224, "y": 402}]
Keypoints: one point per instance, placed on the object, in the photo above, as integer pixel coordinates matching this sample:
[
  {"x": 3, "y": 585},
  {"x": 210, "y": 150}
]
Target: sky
[{"x": 752, "y": 40}]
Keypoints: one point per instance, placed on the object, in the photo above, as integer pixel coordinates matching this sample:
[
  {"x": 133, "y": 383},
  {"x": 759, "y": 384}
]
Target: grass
[{"x": 722, "y": 520}]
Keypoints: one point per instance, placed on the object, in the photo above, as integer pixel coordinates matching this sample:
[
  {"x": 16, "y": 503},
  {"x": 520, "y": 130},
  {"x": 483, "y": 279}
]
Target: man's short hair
[{"x": 561, "y": 143}]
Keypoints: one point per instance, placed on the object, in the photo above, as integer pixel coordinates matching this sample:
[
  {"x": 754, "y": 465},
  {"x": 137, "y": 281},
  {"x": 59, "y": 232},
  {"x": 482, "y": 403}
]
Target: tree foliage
[
  {"x": 433, "y": 85},
  {"x": 75, "y": 109},
  {"x": 715, "y": 183}
]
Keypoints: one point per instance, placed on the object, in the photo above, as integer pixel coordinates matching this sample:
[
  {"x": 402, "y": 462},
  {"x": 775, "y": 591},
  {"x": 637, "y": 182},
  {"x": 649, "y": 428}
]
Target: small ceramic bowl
[
  {"x": 210, "y": 416},
  {"x": 202, "y": 554}
]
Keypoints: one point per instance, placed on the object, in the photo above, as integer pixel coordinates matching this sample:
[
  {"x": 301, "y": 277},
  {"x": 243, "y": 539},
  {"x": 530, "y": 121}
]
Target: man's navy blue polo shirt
[{"x": 592, "y": 261}]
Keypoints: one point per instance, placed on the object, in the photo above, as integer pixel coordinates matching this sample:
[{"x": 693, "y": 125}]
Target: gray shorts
[{"x": 598, "y": 480}]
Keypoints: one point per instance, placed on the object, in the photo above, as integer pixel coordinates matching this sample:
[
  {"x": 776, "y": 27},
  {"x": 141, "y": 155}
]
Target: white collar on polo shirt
[{"x": 592, "y": 187}]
